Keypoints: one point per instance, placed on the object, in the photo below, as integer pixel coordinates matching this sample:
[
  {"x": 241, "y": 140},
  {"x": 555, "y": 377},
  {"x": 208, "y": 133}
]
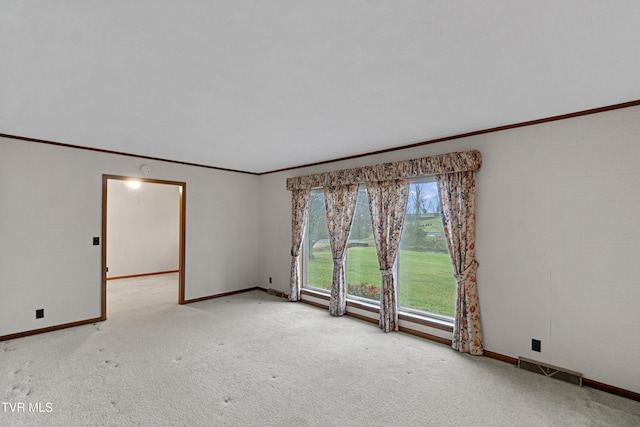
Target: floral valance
[{"x": 433, "y": 165}]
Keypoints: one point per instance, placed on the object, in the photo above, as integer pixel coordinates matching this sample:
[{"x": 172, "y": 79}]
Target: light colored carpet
[{"x": 257, "y": 360}]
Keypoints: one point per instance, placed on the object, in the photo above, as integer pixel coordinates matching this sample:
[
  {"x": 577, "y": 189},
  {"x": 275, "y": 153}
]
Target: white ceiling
[{"x": 259, "y": 85}]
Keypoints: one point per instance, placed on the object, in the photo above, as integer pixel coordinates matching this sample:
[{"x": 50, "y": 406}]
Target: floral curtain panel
[
  {"x": 340, "y": 203},
  {"x": 388, "y": 206},
  {"x": 457, "y": 195},
  {"x": 299, "y": 214}
]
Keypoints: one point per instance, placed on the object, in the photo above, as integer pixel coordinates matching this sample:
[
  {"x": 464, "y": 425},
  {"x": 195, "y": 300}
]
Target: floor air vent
[{"x": 550, "y": 371}]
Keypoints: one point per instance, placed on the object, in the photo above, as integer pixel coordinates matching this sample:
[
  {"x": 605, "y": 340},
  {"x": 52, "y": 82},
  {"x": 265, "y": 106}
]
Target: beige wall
[
  {"x": 557, "y": 231},
  {"x": 51, "y": 207},
  {"x": 142, "y": 228}
]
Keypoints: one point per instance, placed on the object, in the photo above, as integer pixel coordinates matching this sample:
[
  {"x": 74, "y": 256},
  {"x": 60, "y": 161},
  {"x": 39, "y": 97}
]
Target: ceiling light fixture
[{"x": 134, "y": 185}]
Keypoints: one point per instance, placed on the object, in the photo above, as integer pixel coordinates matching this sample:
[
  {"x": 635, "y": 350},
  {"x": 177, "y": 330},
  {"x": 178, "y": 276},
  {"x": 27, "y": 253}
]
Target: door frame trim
[{"x": 181, "y": 241}]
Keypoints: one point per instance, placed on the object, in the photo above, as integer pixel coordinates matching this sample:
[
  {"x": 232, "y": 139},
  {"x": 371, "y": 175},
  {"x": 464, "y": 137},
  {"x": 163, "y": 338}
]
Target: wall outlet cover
[{"x": 536, "y": 345}]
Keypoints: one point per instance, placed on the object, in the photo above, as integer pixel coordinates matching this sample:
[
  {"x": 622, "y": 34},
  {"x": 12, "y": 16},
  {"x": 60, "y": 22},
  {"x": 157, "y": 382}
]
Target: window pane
[
  {"x": 363, "y": 270},
  {"x": 318, "y": 252},
  {"x": 426, "y": 273}
]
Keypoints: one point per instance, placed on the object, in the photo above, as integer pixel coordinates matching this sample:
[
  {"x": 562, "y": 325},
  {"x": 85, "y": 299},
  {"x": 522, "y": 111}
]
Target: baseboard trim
[
  {"x": 361, "y": 317},
  {"x": 585, "y": 381},
  {"x": 313, "y": 303},
  {"x": 224, "y": 294},
  {"x": 611, "y": 389},
  {"x": 49, "y": 329},
  {"x": 142, "y": 275},
  {"x": 500, "y": 357},
  {"x": 424, "y": 335},
  {"x": 431, "y": 323}
]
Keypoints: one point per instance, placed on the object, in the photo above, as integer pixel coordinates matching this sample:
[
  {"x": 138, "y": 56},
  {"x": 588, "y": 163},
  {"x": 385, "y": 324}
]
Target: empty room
[{"x": 299, "y": 213}]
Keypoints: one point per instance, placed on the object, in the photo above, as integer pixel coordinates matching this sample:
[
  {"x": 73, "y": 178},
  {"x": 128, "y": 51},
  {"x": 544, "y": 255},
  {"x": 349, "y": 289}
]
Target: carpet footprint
[
  {"x": 21, "y": 380},
  {"x": 111, "y": 362},
  {"x": 8, "y": 347}
]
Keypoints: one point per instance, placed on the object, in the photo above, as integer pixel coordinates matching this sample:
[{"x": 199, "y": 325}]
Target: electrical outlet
[
  {"x": 40, "y": 313},
  {"x": 96, "y": 241},
  {"x": 536, "y": 345}
]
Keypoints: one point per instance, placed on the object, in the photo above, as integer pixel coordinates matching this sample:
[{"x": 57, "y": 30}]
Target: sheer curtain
[
  {"x": 340, "y": 203},
  {"x": 457, "y": 195},
  {"x": 388, "y": 205},
  {"x": 299, "y": 214}
]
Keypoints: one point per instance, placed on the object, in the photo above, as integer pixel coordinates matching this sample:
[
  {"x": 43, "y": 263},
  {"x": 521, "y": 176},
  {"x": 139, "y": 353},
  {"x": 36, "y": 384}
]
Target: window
[
  {"x": 363, "y": 271},
  {"x": 424, "y": 270},
  {"x": 425, "y": 278},
  {"x": 318, "y": 259}
]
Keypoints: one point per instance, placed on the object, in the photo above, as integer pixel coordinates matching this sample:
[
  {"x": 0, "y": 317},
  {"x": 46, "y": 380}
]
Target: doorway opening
[{"x": 132, "y": 182}]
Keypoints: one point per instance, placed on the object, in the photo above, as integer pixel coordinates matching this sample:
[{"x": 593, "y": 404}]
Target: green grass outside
[
  {"x": 431, "y": 224},
  {"x": 426, "y": 279}
]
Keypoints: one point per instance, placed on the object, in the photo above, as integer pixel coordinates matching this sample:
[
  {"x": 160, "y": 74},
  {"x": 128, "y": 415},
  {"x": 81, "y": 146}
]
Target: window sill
[
  {"x": 424, "y": 320},
  {"x": 431, "y": 322}
]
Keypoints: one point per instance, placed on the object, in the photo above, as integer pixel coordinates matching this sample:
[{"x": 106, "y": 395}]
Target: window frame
[
  {"x": 396, "y": 266},
  {"x": 305, "y": 254}
]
